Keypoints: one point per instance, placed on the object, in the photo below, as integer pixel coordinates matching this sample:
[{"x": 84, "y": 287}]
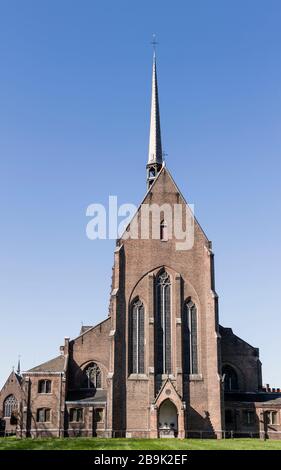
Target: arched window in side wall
[
  {"x": 230, "y": 378},
  {"x": 190, "y": 338},
  {"x": 92, "y": 376},
  {"x": 136, "y": 338},
  {"x": 163, "y": 324},
  {"x": 10, "y": 405}
]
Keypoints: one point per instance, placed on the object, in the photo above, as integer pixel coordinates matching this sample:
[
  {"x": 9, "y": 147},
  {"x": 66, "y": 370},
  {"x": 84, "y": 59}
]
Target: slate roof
[
  {"x": 259, "y": 397},
  {"x": 86, "y": 395},
  {"x": 19, "y": 378},
  {"x": 54, "y": 365}
]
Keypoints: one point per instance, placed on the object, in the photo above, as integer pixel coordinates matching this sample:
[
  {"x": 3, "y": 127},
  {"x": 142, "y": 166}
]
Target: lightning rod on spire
[{"x": 154, "y": 43}]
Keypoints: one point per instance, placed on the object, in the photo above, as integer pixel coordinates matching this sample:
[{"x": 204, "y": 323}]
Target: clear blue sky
[{"x": 74, "y": 119}]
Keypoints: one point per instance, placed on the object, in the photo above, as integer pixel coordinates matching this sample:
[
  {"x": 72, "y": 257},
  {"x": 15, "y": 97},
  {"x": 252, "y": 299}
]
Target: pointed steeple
[
  {"x": 155, "y": 147},
  {"x": 155, "y": 157},
  {"x": 18, "y": 368}
]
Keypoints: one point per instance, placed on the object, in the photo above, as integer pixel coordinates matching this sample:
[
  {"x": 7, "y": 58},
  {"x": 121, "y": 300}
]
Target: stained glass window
[
  {"x": 136, "y": 356},
  {"x": 163, "y": 324}
]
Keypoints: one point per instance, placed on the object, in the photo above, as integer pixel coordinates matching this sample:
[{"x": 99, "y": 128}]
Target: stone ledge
[
  {"x": 137, "y": 377},
  {"x": 195, "y": 377}
]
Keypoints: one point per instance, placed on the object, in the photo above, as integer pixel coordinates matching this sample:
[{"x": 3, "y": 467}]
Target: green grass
[{"x": 80, "y": 443}]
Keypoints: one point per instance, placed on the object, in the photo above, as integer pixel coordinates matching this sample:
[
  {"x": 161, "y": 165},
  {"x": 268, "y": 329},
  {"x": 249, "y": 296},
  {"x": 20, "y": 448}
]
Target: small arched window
[
  {"x": 136, "y": 335},
  {"x": 10, "y": 405},
  {"x": 164, "y": 231},
  {"x": 151, "y": 173},
  {"x": 230, "y": 378},
  {"x": 190, "y": 338},
  {"x": 44, "y": 386},
  {"x": 92, "y": 376}
]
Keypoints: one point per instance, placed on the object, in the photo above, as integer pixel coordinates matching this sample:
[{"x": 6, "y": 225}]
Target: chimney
[{"x": 66, "y": 345}]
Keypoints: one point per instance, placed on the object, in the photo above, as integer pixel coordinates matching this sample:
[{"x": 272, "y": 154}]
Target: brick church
[{"x": 160, "y": 364}]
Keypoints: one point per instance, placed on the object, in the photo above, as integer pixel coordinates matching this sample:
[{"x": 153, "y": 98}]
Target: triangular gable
[
  {"x": 168, "y": 392},
  {"x": 13, "y": 378},
  {"x": 164, "y": 171}
]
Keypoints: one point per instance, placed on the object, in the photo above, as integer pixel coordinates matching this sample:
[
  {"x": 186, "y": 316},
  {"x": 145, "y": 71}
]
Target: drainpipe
[{"x": 59, "y": 410}]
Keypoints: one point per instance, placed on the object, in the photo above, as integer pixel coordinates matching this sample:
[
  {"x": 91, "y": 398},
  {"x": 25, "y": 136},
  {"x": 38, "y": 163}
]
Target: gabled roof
[
  {"x": 54, "y": 365},
  {"x": 13, "y": 375},
  {"x": 228, "y": 332}
]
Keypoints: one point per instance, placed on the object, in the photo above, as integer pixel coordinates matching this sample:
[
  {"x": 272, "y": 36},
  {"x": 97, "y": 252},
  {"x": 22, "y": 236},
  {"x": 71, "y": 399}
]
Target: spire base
[{"x": 152, "y": 172}]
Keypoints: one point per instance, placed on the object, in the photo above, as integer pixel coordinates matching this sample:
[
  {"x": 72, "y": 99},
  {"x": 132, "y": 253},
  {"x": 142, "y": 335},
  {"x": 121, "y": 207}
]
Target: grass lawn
[{"x": 80, "y": 443}]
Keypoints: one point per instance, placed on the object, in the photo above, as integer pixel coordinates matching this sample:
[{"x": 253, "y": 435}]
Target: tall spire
[
  {"x": 155, "y": 158},
  {"x": 155, "y": 147},
  {"x": 18, "y": 368}
]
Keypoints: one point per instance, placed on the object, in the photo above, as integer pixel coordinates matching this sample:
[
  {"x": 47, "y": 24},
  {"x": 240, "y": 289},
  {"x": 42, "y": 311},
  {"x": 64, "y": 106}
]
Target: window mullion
[{"x": 164, "y": 328}]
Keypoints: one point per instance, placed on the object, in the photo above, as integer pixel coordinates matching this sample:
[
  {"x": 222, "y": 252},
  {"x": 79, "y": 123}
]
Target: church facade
[{"x": 160, "y": 364}]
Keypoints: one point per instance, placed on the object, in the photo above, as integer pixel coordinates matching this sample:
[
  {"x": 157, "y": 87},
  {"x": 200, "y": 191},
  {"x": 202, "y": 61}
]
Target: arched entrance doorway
[{"x": 167, "y": 419}]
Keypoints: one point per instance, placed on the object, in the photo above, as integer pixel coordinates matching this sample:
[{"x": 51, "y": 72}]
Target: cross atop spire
[{"x": 155, "y": 157}]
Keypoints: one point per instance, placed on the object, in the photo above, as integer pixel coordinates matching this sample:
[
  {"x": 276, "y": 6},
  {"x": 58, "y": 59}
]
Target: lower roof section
[
  {"x": 254, "y": 397},
  {"x": 86, "y": 397}
]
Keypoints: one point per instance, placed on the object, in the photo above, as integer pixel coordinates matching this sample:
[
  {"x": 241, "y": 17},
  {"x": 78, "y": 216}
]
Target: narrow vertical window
[
  {"x": 190, "y": 338},
  {"x": 164, "y": 231},
  {"x": 163, "y": 324},
  {"x": 136, "y": 326}
]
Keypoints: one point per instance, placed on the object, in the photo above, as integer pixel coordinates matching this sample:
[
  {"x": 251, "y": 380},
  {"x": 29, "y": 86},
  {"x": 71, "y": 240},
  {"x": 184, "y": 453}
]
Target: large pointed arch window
[
  {"x": 190, "y": 336},
  {"x": 163, "y": 324},
  {"x": 10, "y": 406},
  {"x": 230, "y": 378},
  {"x": 136, "y": 334}
]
